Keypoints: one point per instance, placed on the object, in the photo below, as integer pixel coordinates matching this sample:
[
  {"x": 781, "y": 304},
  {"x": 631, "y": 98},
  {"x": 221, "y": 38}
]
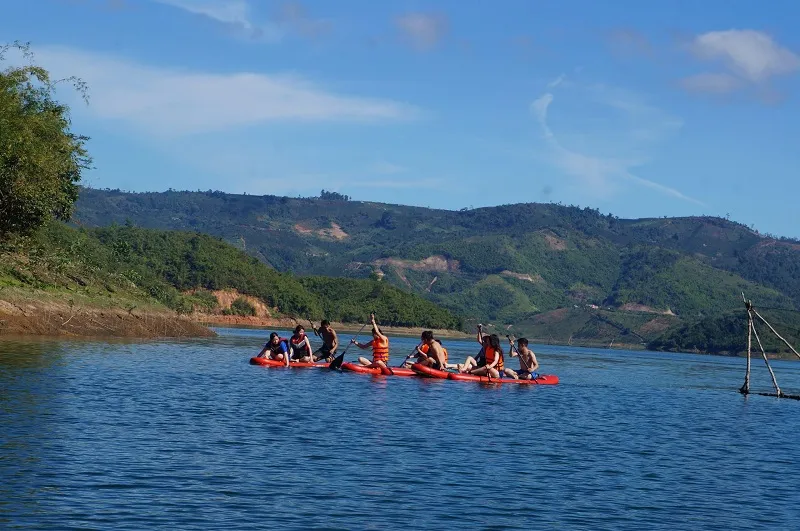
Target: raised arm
[
  {"x": 375, "y": 326},
  {"x": 512, "y": 348}
]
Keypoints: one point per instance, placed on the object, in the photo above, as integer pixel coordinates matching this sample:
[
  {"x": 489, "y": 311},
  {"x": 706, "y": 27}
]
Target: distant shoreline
[
  {"x": 284, "y": 323},
  {"x": 50, "y": 315}
]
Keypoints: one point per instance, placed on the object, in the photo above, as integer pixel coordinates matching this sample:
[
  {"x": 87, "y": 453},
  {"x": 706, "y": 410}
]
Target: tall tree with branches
[{"x": 41, "y": 159}]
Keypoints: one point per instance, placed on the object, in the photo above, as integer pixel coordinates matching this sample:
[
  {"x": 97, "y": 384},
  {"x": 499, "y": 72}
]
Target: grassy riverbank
[{"x": 132, "y": 282}]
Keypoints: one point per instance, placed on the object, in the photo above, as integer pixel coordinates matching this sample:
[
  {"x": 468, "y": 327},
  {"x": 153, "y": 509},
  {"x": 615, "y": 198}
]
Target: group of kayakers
[{"x": 430, "y": 352}]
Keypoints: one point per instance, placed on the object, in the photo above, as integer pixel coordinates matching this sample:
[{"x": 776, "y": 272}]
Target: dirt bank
[{"x": 54, "y": 318}]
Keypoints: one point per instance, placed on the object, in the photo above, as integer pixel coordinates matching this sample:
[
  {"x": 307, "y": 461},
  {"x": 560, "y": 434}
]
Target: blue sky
[{"x": 635, "y": 108}]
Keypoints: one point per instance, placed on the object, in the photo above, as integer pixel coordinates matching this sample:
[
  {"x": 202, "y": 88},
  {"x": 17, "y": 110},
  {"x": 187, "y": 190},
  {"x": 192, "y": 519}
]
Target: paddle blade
[{"x": 336, "y": 364}]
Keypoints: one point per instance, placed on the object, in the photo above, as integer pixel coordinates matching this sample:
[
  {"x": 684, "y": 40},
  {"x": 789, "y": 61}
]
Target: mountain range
[{"x": 554, "y": 272}]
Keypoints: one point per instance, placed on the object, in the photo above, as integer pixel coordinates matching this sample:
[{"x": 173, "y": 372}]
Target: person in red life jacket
[
  {"x": 431, "y": 352},
  {"x": 300, "y": 345},
  {"x": 379, "y": 345},
  {"x": 527, "y": 361},
  {"x": 489, "y": 363},
  {"x": 275, "y": 349}
]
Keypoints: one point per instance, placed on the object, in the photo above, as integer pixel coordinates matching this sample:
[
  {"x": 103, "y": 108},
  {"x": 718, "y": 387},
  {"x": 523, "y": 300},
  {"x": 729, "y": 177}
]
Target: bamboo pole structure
[
  {"x": 776, "y": 333},
  {"x": 746, "y": 387},
  {"x": 764, "y": 355}
]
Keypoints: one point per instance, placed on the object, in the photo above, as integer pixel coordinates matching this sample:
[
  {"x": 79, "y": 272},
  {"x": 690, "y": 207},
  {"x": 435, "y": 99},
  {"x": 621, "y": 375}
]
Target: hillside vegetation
[
  {"x": 178, "y": 270},
  {"x": 504, "y": 264}
]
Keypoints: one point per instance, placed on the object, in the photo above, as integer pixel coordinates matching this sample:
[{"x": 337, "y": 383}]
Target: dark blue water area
[{"x": 188, "y": 435}]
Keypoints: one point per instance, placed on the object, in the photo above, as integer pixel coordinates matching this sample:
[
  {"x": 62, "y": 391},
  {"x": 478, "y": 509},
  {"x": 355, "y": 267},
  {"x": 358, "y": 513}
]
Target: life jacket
[
  {"x": 490, "y": 355},
  {"x": 280, "y": 348},
  {"x": 380, "y": 349},
  {"x": 297, "y": 343},
  {"x": 446, "y": 358}
]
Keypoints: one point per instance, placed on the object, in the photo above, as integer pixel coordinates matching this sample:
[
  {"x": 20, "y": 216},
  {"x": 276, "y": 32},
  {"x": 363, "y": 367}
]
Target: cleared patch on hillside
[
  {"x": 554, "y": 242},
  {"x": 537, "y": 278},
  {"x": 432, "y": 264},
  {"x": 551, "y": 317},
  {"x": 334, "y": 232},
  {"x": 635, "y": 307},
  {"x": 656, "y": 326},
  {"x": 225, "y": 298}
]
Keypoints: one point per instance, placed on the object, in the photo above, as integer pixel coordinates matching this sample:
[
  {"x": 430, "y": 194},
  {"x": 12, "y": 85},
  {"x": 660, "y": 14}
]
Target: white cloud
[
  {"x": 711, "y": 83},
  {"x": 290, "y": 17},
  {"x": 422, "y": 30},
  {"x": 225, "y": 11},
  {"x": 600, "y": 175},
  {"x": 557, "y": 81},
  {"x": 169, "y": 101},
  {"x": 750, "y": 57},
  {"x": 751, "y": 54}
]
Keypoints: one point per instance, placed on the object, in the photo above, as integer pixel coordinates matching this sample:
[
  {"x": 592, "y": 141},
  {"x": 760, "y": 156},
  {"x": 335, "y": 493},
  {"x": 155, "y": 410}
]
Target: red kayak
[
  {"x": 544, "y": 379},
  {"x": 266, "y": 362},
  {"x": 429, "y": 372},
  {"x": 391, "y": 371}
]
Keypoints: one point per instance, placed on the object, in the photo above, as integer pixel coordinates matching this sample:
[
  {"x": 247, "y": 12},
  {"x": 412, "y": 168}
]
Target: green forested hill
[
  {"x": 504, "y": 264},
  {"x": 179, "y": 269}
]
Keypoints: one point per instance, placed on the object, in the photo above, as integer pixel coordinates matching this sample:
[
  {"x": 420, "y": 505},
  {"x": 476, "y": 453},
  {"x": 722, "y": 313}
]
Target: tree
[{"x": 40, "y": 158}]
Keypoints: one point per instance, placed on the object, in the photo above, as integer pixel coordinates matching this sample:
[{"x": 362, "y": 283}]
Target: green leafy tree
[{"x": 40, "y": 158}]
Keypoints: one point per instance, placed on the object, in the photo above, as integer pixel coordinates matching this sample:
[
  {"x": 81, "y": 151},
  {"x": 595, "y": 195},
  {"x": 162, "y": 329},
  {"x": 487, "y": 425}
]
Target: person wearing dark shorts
[
  {"x": 527, "y": 361},
  {"x": 330, "y": 342},
  {"x": 431, "y": 352}
]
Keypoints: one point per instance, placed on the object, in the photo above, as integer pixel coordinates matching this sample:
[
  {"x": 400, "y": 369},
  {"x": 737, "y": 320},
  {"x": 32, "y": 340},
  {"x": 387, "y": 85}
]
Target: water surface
[{"x": 186, "y": 434}]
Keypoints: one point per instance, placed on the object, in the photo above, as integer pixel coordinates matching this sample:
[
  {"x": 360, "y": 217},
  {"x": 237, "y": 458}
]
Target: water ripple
[{"x": 132, "y": 435}]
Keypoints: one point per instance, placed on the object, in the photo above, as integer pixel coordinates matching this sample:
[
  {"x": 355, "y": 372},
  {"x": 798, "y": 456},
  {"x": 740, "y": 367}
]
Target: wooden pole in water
[
  {"x": 746, "y": 387},
  {"x": 764, "y": 355}
]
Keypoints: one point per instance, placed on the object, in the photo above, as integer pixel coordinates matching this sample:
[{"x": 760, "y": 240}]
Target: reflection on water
[{"x": 186, "y": 434}]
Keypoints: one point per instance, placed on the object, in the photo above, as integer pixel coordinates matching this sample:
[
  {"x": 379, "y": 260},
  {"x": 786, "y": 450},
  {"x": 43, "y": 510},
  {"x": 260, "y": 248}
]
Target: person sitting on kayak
[
  {"x": 300, "y": 345},
  {"x": 483, "y": 339},
  {"x": 275, "y": 349},
  {"x": 489, "y": 364},
  {"x": 380, "y": 347},
  {"x": 330, "y": 342},
  {"x": 527, "y": 361},
  {"x": 431, "y": 352}
]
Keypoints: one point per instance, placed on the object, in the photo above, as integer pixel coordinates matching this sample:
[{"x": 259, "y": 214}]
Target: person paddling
[
  {"x": 275, "y": 349},
  {"x": 490, "y": 363},
  {"x": 330, "y": 342},
  {"x": 480, "y": 359},
  {"x": 379, "y": 345},
  {"x": 527, "y": 361},
  {"x": 431, "y": 352},
  {"x": 300, "y": 345}
]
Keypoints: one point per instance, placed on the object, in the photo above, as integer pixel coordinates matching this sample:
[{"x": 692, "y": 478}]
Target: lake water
[{"x": 187, "y": 435}]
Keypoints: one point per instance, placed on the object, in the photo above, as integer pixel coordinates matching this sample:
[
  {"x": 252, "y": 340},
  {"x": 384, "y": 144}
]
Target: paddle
[
  {"x": 409, "y": 356},
  {"x": 338, "y": 360}
]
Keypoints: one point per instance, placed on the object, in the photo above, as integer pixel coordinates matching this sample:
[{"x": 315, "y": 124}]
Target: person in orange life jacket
[
  {"x": 431, "y": 352},
  {"x": 527, "y": 361},
  {"x": 300, "y": 345},
  {"x": 379, "y": 345},
  {"x": 275, "y": 349},
  {"x": 491, "y": 363}
]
